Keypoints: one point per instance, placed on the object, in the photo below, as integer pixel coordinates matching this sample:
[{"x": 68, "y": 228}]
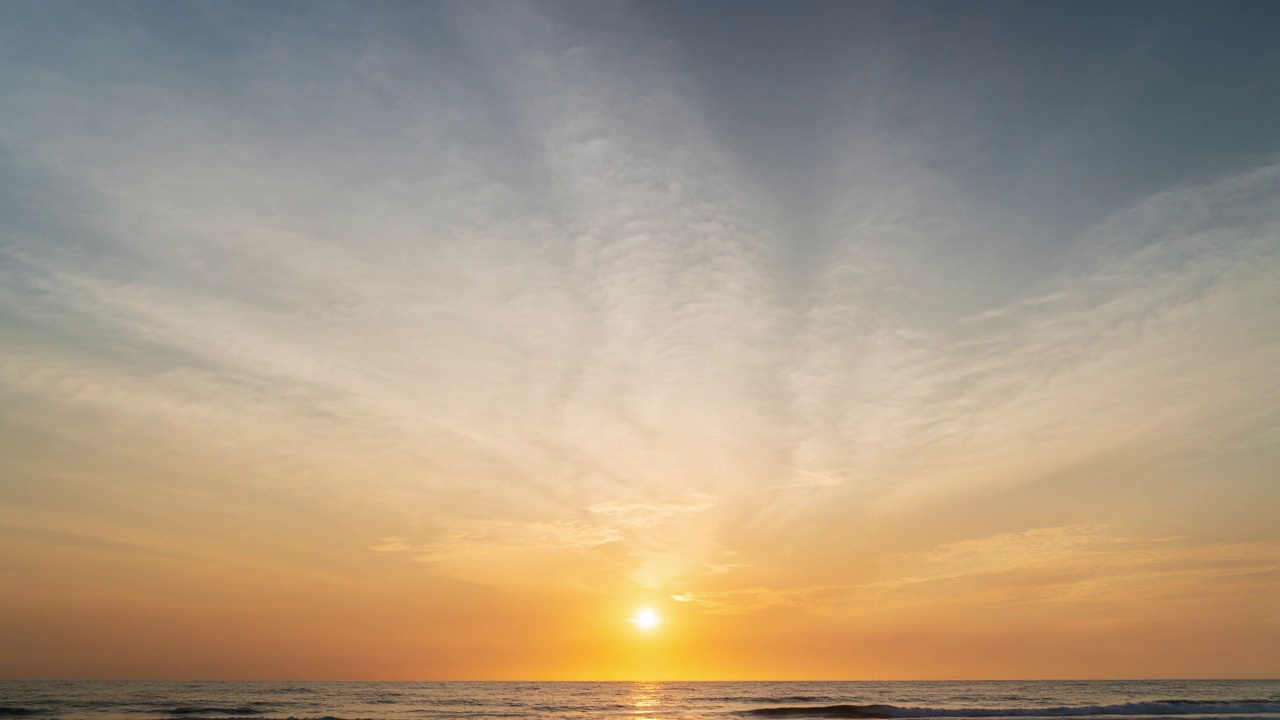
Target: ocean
[{"x": 156, "y": 700}]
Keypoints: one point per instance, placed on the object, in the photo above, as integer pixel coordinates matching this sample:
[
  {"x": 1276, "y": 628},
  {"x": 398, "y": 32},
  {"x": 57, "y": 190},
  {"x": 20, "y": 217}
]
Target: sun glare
[{"x": 646, "y": 619}]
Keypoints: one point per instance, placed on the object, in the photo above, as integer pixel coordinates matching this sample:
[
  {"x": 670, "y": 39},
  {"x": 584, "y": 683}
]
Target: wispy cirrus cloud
[{"x": 1070, "y": 570}]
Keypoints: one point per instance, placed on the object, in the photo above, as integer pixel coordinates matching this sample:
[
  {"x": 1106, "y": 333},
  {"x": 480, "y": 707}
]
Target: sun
[{"x": 646, "y": 619}]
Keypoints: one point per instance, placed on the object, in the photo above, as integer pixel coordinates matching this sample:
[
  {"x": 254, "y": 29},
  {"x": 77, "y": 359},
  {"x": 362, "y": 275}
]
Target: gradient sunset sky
[{"x": 432, "y": 340}]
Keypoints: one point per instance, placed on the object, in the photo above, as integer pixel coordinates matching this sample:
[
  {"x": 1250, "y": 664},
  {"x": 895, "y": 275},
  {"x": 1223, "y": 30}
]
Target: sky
[{"x": 434, "y": 340}]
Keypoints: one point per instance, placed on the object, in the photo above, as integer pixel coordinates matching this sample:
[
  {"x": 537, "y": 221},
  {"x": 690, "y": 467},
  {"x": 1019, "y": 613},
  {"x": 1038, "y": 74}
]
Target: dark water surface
[{"x": 1135, "y": 700}]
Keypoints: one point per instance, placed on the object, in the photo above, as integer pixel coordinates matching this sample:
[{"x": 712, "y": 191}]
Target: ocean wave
[
  {"x": 211, "y": 710},
  {"x": 432, "y": 712},
  {"x": 10, "y": 711},
  {"x": 259, "y": 717},
  {"x": 767, "y": 699},
  {"x": 1153, "y": 708}
]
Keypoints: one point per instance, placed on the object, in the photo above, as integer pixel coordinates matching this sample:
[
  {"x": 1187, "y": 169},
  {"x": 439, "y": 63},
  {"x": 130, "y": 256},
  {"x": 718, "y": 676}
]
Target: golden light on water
[{"x": 646, "y": 619}]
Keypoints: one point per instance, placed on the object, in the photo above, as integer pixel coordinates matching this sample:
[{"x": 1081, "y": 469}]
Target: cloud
[
  {"x": 392, "y": 544},
  {"x": 652, "y": 537},
  {"x": 1075, "y": 566},
  {"x": 900, "y": 396},
  {"x": 518, "y": 277},
  {"x": 501, "y": 553},
  {"x": 478, "y": 537},
  {"x": 810, "y": 479},
  {"x": 654, "y": 512}
]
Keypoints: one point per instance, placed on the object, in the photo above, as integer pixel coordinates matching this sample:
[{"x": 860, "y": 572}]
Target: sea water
[{"x": 1131, "y": 700}]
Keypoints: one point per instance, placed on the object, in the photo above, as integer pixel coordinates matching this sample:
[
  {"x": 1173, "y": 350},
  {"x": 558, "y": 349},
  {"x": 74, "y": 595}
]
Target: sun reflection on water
[{"x": 645, "y": 698}]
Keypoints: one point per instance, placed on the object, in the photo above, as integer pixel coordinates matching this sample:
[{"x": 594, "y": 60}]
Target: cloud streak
[{"x": 1080, "y": 570}]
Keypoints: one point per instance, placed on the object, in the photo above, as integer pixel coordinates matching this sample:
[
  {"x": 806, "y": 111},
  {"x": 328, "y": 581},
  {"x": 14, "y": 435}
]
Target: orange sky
[
  {"x": 212, "y": 579},
  {"x": 433, "y": 341}
]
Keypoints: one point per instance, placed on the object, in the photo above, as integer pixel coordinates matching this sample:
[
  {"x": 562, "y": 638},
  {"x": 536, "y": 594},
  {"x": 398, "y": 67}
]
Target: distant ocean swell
[
  {"x": 188, "y": 710},
  {"x": 1155, "y": 708},
  {"x": 780, "y": 699},
  {"x": 296, "y": 700}
]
